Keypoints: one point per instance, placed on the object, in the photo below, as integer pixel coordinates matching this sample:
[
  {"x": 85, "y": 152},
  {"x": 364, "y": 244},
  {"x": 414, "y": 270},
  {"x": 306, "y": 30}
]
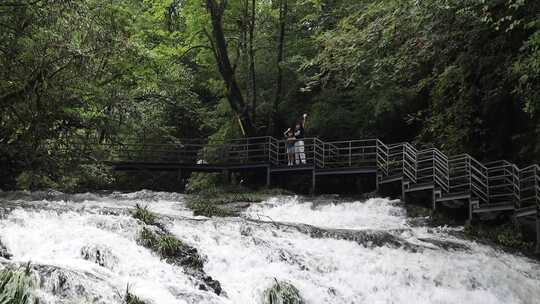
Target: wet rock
[
  {"x": 246, "y": 230},
  {"x": 68, "y": 286},
  {"x": 100, "y": 255},
  {"x": 4, "y": 253},
  {"x": 445, "y": 244},
  {"x": 368, "y": 237}
]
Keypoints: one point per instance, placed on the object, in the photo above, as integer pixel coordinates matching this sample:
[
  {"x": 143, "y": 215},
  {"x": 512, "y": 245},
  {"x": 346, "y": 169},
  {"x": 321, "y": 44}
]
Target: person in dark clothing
[
  {"x": 299, "y": 134},
  {"x": 289, "y": 137}
]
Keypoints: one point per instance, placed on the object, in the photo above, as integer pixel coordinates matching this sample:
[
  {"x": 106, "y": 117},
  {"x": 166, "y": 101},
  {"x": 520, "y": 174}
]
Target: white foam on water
[
  {"x": 49, "y": 238},
  {"x": 246, "y": 256},
  {"x": 375, "y": 213},
  {"x": 335, "y": 271}
]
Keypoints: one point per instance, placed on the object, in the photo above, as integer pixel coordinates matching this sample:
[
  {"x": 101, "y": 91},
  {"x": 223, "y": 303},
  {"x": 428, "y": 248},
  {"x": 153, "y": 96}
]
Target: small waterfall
[{"x": 84, "y": 248}]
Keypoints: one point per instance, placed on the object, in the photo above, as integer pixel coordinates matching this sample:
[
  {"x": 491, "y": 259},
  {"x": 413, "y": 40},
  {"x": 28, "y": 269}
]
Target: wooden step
[
  {"x": 392, "y": 178},
  {"x": 483, "y": 208},
  {"x": 454, "y": 196},
  {"x": 419, "y": 187},
  {"x": 526, "y": 211}
]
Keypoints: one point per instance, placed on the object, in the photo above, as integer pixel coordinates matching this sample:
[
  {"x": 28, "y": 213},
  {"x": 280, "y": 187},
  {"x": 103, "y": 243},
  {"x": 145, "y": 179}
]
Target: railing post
[
  {"x": 324, "y": 155},
  {"x": 350, "y": 153},
  {"x": 247, "y": 150},
  {"x": 269, "y": 140},
  {"x": 536, "y": 194},
  {"x": 487, "y": 184},
  {"x": 469, "y": 171}
]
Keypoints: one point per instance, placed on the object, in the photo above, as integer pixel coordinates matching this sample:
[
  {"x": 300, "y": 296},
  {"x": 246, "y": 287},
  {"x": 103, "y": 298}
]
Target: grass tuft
[
  {"x": 144, "y": 215},
  {"x": 130, "y": 298},
  {"x": 172, "y": 249},
  {"x": 16, "y": 286},
  {"x": 282, "y": 293}
]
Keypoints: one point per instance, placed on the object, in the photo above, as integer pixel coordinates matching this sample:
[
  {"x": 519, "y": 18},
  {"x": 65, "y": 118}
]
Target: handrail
[{"x": 492, "y": 182}]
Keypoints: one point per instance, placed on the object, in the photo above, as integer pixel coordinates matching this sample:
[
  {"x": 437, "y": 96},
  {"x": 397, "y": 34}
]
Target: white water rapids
[{"x": 58, "y": 234}]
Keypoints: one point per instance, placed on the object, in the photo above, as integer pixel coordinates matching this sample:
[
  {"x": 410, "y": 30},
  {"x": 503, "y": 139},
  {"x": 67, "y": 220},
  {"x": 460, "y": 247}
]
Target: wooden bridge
[{"x": 498, "y": 186}]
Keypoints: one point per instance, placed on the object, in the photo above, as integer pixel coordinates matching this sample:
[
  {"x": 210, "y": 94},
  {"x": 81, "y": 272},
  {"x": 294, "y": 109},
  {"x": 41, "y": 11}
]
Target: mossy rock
[
  {"x": 176, "y": 252},
  {"x": 282, "y": 292}
]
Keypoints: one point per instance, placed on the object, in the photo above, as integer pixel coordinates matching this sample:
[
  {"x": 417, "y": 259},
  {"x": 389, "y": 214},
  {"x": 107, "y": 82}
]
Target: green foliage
[
  {"x": 144, "y": 215},
  {"x": 199, "y": 181},
  {"x": 443, "y": 74},
  {"x": 74, "y": 74},
  {"x": 215, "y": 201},
  {"x": 16, "y": 287},
  {"x": 458, "y": 75},
  {"x": 507, "y": 235},
  {"x": 29, "y": 180},
  {"x": 282, "y": 293}
]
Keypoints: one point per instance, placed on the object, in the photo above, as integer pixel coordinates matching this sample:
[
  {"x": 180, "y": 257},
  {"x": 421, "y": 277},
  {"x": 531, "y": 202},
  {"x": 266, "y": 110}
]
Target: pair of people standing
[{"x": 295, "y": 143}]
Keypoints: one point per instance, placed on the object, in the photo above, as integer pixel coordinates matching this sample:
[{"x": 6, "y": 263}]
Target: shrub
[
  {"x": 199, "y": 182},
  {"x": 28, "y": 180},
  {"x": 507, "y": 235}
]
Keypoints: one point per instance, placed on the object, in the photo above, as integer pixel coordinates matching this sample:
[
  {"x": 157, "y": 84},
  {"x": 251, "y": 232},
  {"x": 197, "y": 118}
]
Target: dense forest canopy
[{"x": 460, "y": 75}]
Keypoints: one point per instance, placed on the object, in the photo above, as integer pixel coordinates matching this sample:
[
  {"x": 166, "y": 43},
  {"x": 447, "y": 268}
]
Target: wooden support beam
[
  {"x": 313, "y": 182},
  {"x": 227, "y": 175},
  {"x": 403, "y": 198},
  {"x": 537, "y": 251},
  {"x": 434, "y": 199},
  {"x": 469, "y": 219},
  {"x": 268, "y": 177}
]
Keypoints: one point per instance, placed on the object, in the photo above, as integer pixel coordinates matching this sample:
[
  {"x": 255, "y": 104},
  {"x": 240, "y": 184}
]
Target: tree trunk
[
  {"x": 280, "y": 47},
  {"x": 252, "y": 63},
  {"x": 234, "y": 94}
]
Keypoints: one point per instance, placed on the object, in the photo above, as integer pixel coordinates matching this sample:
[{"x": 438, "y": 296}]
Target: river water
[{"x": 333, "y": 251}]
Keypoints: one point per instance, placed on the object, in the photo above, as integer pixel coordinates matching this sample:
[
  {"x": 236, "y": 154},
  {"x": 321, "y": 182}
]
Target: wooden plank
[
  {"x": 339, "y": 171},
  {"x": 527, "y": 211},
  {"x": 420, "y": 187},
  {"x": 293, "y": 168},
  {"x": 456, "y": 196}
]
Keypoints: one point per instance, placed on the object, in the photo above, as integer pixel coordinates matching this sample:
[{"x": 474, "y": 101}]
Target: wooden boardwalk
[{"x": 493, "y": 187}]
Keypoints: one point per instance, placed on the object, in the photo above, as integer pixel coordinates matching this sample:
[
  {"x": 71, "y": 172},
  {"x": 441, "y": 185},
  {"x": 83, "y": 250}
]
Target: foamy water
[{"x": 247, "y": 254}]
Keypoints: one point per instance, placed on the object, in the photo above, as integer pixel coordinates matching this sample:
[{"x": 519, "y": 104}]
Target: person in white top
[{"x": 299, "y": 134}]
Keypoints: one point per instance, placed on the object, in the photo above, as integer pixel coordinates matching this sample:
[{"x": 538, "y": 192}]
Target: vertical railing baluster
[{"x": 350, "y": 147}]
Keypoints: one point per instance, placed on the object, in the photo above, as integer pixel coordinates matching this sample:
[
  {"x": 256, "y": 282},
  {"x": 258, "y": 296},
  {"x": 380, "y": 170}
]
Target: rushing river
[{"x": 333, "y": 252}]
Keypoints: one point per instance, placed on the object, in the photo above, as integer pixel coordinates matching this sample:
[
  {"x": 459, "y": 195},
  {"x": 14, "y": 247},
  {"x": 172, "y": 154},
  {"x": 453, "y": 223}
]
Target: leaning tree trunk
[
  {"x": 252, "y": 63},
  {"x": 280, "y": 47},
  {"x": 236, "y": 100}
]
